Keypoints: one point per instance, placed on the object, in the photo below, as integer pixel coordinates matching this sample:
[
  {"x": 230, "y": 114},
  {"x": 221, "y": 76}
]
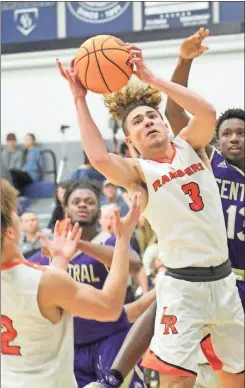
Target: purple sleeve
[{"x": 38, "y": 258}]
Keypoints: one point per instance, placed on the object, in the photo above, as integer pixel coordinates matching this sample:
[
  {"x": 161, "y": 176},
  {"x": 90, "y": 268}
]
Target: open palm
[
  {"x": 192, "y": 47},
  {"x": 65, "y": 244}
]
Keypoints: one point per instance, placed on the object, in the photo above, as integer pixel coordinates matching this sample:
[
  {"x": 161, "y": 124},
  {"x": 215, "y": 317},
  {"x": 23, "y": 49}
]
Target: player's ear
[{"x": 128, "y": 140}]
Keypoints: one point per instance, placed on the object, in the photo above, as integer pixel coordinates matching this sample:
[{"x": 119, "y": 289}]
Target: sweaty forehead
[
  {"x": 232, "y": 124},
  {"x": 83, "y": 194}
]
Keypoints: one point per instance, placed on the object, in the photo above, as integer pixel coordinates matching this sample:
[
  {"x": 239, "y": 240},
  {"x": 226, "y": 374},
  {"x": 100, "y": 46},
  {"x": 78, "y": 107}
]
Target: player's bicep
[
  {"x": 118, "y": 170},
  {"x": 80, "y": 299},
  {"x": 199, "y": 131}
]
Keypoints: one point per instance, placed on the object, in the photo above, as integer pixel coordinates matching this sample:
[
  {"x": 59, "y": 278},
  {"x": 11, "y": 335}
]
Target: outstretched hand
[
  {"x": 192, "y": 47},
  {"x": 124, "y": 227},
  {"x": 78, "y": 90},
  {"x": 142, "y": 71},
  {"x": 65, "y": 244}
]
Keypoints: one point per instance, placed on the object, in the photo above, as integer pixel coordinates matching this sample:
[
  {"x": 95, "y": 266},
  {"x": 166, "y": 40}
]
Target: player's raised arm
[
  {"x": 61, "y": 290},
  {"x": 190, "y": 48},
  {"x": 115, "y": 168},
  {"x": 200, "y": 128}
]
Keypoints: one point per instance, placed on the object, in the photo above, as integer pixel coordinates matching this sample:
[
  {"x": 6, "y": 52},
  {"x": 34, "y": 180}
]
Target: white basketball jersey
[
  {"x": 184, "y": 209},
  {"x": 35, "y": 352}
]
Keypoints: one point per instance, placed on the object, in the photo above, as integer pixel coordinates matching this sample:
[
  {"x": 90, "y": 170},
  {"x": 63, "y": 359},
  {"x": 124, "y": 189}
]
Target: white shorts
[{"x": 184, "y": 311}]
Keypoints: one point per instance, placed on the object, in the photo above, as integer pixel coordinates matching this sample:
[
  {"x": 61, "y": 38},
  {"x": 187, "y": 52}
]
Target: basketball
[{"x": 102, "y": 64}]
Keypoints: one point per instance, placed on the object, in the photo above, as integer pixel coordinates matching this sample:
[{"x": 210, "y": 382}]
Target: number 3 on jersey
[
  {"x": 8, "y": 335},
  {"x": 192, "y": 189}
]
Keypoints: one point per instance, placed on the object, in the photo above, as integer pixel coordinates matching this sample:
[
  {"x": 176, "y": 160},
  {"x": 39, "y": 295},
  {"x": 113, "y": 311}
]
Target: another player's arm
[
  {"x": 135, "y": 309},
  {"x": 137, "y": 342},
  {"x": 58, "y": 289},
  {"x": 104, "y": 254},
  {"x": 83, "y": 300},
  {"x": 190, "y": 48}
]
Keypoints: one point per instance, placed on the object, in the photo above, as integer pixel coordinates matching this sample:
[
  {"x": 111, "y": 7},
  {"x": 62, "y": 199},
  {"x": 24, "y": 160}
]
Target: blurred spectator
[
  {"x": 12, "y": 155},
  {"x": 110, "y": 196},
  {"x": 145, "y": 235},
  {"x": 5, "y": 173},
  {"x": 59, "y": 210},
  {"x": 87, "y": 171},
  {"x": 30, "y": 242},
  {"x": 32, "y": 164}
]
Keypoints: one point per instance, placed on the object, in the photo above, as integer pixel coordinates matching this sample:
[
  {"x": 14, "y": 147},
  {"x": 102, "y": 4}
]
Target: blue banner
[
  {"x": 171, "y": 14},
  {"x": 85, "y": 18},
  {"x": 231, "y": 11},
  {"x": 27, "y": 21}
]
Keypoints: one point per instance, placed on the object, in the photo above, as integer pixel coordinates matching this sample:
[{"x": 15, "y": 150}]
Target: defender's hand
[{"x": 192, "y": 47}]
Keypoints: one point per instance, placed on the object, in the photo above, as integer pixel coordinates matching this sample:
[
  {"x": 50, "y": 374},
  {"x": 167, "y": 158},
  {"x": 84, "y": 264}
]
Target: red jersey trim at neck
[
  {"x": 167, "y": 160},
  {"x": 16, "y": 262}
]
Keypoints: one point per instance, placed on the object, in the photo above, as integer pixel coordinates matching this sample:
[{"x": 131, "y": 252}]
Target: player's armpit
[
  {"x": 200, "y": 130},
  {"x": 58, "y": 290}
]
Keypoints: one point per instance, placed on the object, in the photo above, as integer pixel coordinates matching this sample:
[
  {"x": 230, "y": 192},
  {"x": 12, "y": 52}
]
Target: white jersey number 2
[{"x": 8, "y": 335}]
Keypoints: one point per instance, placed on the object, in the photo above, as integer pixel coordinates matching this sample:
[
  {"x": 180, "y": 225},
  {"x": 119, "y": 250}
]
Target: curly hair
[
  {"x": 9, "y": 204},
  {"x": 121, "y": 103},
  {"x": 227, "y": 115}
]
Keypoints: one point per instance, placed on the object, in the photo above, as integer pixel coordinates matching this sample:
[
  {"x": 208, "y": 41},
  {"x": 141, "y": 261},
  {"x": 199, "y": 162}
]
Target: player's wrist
[
  {"x": 59, "y": 261},
  {"x": 182, "y": 60}
]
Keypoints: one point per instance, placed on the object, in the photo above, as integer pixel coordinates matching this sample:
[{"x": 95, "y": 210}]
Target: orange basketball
[{"x": 102, "y": 64}]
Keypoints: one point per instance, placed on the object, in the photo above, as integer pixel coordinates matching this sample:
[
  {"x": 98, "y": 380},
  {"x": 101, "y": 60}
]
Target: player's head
[
  {"x": 138, "y": 108},
  {"x": 29, "y": 222},
  {"x": 10, "y": 223},
  {"x": 107, "y": 217},
  {"x": 230, "y": 134},
  {"x": 82, "y": 203}
]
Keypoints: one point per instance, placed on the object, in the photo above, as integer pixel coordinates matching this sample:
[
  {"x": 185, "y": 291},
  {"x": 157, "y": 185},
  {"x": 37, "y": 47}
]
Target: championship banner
[
  {"x": 27, "y": 21},
  {"x": 89, "y": 18},
  {"x": 171, "y": 14}
]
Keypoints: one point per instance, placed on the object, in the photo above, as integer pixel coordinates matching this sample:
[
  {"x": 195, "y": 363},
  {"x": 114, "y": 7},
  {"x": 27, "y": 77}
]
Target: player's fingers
[
  {"x": 136, "y": 53},
  {"x": 60, "y": 68},
  {"x": 78, "y": 236},
  {"x": 133, "y": 47},
  {"x": 43, "y": 239},
  {"x": 56, "y": 229},
  {"x": 66, "y": 229},
  {"x": 68, "y": 76},
  {"x": 203, "y": 49},
  {"x": 74, "y": 231}
]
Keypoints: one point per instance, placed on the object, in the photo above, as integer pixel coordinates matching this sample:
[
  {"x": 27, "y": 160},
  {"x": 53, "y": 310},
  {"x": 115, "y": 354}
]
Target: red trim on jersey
[
  {"x": 15, "y": 262},
  {"x": 151, "y": 361},
  {"x": 167, "y": 160}
]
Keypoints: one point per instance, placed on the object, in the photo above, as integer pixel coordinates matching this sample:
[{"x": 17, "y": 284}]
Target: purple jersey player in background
[
  {"x": 96, "y": 343},
  {"x": 227, "y": 160}
]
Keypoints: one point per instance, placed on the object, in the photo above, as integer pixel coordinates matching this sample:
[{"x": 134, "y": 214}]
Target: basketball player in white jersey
[
  {"x": 181, "y": 201},
  {"x": 37, "y": 303}
]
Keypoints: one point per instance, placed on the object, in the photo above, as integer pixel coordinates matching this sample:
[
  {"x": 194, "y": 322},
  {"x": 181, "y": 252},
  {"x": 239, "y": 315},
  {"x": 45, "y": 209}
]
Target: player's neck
[
  {"x": 240, "y": 164},
  {"x": 10, "y": 253},
  {"x": 89, "y": 232},
  {"x": 161, "y": 153}
]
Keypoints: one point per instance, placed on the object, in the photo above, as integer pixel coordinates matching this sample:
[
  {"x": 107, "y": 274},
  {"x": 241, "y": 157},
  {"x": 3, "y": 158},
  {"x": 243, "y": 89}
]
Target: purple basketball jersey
[
  {"x": 230, "y": 180},
  {"x": 85, "y": 269}
]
